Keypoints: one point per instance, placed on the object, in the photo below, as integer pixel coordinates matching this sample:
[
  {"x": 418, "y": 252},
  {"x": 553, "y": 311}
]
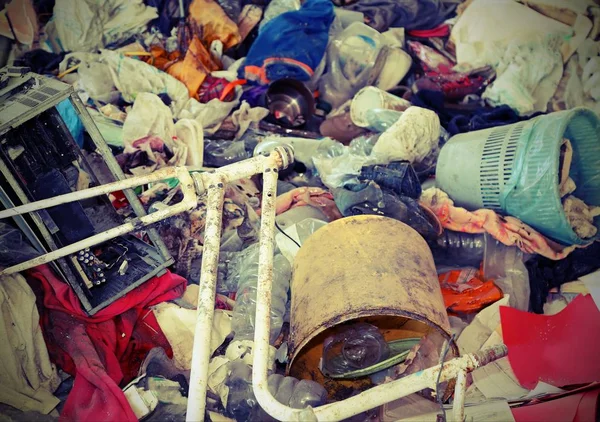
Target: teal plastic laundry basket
[{"x": 513, "y": 169}]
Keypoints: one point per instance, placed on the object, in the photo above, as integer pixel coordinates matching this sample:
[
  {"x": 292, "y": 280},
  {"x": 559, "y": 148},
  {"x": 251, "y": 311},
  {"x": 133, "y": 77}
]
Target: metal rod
[
  {"x": 458, "y": 407},
  {"x": 402, "y": 387},
  {"x": 249, "y": 167},
  {"x": 263, "y": 299},
  {"x": 189, "y": 201},
  {"x": 206, "y": 301},
  {"x": 162, "y": 174}
]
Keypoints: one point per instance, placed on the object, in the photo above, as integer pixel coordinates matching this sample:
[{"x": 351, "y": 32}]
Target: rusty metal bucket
[{"x": 363, "y": 268}]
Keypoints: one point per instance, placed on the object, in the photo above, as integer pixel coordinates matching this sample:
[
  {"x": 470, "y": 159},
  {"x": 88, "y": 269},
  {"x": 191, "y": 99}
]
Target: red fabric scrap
[
  {"x": 559, "y": 349},
  {"x": 105, "y": 349}
]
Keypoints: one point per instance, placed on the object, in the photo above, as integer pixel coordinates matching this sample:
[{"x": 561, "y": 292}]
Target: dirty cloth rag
[
  {"x": 508, "y": 230},
  {"x": 27, "y": 378},
  {"x": 315, "y": 197},
  {"x": 105, "y": 349},
  {"x": 407, "y": 14}
]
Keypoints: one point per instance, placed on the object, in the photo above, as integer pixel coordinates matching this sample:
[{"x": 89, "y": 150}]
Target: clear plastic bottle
[
  {"x": 241, "y": 399},
  {"x": 380, "y": 119},
  {"x": 244, "y": 311},
  {"x": 220, "y": 152},
  {"x": 293, "y": 393},
  {"x": 351, "y": 347}
]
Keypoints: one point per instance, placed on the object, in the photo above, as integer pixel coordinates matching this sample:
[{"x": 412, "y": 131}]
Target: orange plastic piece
[
  {"x": 467, "y": 291},
  {"x": 230, "y": 86}
]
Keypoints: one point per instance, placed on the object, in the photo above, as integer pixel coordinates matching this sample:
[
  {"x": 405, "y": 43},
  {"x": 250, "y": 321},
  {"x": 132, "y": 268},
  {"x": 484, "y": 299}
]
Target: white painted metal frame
[
  {"x": 189, "y": 201},
  {"x": 214, "y": 183},
  {"x": 280, "y": 158}
]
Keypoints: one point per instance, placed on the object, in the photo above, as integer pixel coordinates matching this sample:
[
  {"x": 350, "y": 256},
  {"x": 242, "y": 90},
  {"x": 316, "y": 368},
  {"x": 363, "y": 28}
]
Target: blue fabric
[
  {"x": 72, "y": 121},
  {"x": 300, "y": 35}
]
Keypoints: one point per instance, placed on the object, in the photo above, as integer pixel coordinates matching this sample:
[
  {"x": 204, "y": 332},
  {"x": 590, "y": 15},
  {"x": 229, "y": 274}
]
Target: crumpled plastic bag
[
  {"x": 351, "y": 56},
  {"x": 276, "y": 8},
  {"x": 591, "y": 78},
  {"x": 209, "y": 115},
  {"x": 150, "y": 153},
  {"x": 299, "y": 232},
  {"x": 127, "y": 18},
  {"x": 338, "y": 165},
  {"x": 411, "y": 138},
  {"x": 95, "y": 79},
  {"x": 78, "y": 24},
  {"x": 149, "y": 116},
  {"x": 191, "y": 134},
  {"x": 194, "y": 68},
  {"x": 179, "y": 325},
  {"x": 87, "y": 25},
  {"x": 132, "y": 77},
  {"x": 246, "y": 115},
  {"x": 580, "y": 85}
]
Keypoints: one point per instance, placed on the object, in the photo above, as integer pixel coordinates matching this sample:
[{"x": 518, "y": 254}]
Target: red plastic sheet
[
  {"x": 579, "y": 407},
  {"x": 559, "y": 349},
  {"x": 103, "y": 350}
]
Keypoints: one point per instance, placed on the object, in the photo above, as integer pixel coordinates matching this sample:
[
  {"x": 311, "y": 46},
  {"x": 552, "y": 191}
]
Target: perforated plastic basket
[{"x": 514, "y": 169}]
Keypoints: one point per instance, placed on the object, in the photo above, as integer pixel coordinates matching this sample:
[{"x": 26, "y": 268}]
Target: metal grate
[
  {"x": 29, "y": 102},
  {"x": 497, "y": 162},
  {"x": 49, "y": 91},
  {"x": 38, "y": 96}
]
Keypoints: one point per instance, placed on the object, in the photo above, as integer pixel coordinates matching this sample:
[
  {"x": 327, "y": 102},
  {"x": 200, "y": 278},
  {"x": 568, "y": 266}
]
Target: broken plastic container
[
  {"x": 371, "y": 98},
  {"x": 299, "y": 232},
  {"x": 380, "y": 119},
  {"x": 219, "y": 152},
  {"x": 350, "y": 59}
]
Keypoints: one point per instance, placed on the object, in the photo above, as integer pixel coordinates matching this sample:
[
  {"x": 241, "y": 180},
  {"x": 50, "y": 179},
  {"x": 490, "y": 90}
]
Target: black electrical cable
[
  {"x": 437, "y": 382},
  {"x": 12, "y": 29},
  {"x": 286, "y": 235}
]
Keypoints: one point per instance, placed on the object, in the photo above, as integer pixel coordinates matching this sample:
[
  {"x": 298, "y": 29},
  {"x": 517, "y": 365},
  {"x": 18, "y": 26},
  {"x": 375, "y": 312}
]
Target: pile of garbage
[{"x": 444, "y": 198}]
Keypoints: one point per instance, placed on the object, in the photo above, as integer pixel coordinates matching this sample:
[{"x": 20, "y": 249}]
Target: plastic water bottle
[
  {"x": 291, "y": 392},
  {"x": 244, "y": 311}
]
